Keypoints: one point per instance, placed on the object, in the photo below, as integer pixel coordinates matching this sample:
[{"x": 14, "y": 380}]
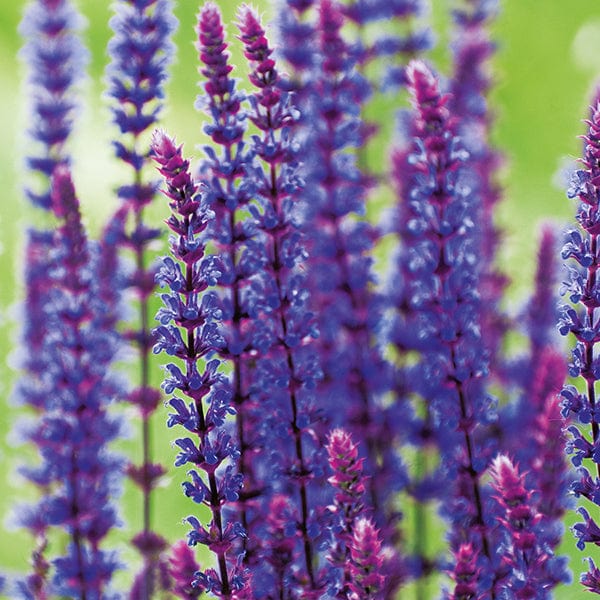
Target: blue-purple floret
[{"x": 57, "y": 59}]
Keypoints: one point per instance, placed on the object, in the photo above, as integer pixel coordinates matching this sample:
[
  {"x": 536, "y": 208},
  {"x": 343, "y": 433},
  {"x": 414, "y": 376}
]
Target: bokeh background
[{"x": 545, "y": 71}]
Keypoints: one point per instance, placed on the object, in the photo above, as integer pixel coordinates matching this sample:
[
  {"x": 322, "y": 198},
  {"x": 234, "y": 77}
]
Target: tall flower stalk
[
  {"x": 79, "y": 476},
  {"x": 441, "y": 279},
  {"x": 285, "y": 372},
  {"x": 141, "y": 52},
  {"x": 189, "y": 332},
  {"x": 340, "y": 274},
  {"x": 582, "y": 248},
  {"x": 471, "y": 82},
  {"x": 232, "y": 232}
]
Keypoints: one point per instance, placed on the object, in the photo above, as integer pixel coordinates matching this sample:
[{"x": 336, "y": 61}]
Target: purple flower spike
[
  {"x": 182, "y": 568},
  {"x": 347, "y": 475},
  {"x": 582, "y": 249},
  {"x": 188, "y": 331},
  {"x": 57, "y": 60},
  {"x": 439, "y": 301},
  {"x": 141, "y": 52},
  {"x": 339, "y": 243},
  {"x": 349, "y": 484},
  {"x": 287, "y": 368},
  {"x": 222, "y": 102},
  {"x": 469, "y": 88},
  {"x": 77, "y": 474}
]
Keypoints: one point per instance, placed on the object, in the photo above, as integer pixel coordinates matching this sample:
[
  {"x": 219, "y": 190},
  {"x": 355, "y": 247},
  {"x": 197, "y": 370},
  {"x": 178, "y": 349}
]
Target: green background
[{"x": 547, "y": 62}]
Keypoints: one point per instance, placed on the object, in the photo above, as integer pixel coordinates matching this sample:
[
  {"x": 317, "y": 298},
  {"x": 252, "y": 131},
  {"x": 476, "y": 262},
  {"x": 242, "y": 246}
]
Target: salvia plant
[{"x": 346, "y": 417}]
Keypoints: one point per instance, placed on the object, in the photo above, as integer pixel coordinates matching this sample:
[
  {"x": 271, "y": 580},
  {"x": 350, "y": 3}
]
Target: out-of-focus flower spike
[
  {"x": 182, "y": 567},
  {"x": 439, "y": 265},
  {"x": 465, "y": 574},
  {"x": 339, "y": 243},
  {"x": 469, "y": 87},
  {"x": 542, "y": 312},
  {"x": 77, "y": 473},
  {"x": 141, "y": 52},
  {"x": 57, "y": 59}
]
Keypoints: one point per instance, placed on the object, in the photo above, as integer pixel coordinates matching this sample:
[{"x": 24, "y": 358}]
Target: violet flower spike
[
  {"x": 78, "y": 473},
  {"x": 469, "y": 89},
  {"x": 366, "y": 561},
  {"x": 349, "y": 484},
  {"x": 182, "y": 568},
  {"x": 188, "y": 331},
  {"x": 287, "y": 369},
  {"x": 57, "y": 60},
  {"x": 228, "y": 191},
  {"x": 580, "y": 318},
  {"x": 441, "y": 274},
  {"x": 141, "y": 51},
  {"x": 340, "y": 275}
]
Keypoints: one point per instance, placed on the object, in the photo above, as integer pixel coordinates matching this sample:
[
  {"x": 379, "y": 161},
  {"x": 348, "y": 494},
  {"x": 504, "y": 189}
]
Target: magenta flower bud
[
  {"x": 465, "y": 574},
  {"x": 347, "y": 475},
  {"x": 366, "y": 561},
  {"x": 527, "y": 558}
]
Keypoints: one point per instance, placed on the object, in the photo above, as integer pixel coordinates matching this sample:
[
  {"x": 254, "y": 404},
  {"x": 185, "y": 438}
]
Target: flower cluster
[{"x": 331, "y": 400}]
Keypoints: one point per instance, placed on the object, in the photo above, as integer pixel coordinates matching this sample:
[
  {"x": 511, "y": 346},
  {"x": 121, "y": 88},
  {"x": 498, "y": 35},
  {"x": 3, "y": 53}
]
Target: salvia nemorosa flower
[
  {"x": 141, "y": 52},
  {"x": 366, "y": 561},
  {"x": 537, "y": 375},
  {"x": 438, "y": 262},
  {"x": 56, "y": 58},
  {"x": 189, "y": 333},
  {"x": 286, "y": 368},
  {"x": 77, "y": 474},
  {"x": 339, "y": 246},
  {"x": 581, "y": 320},
  {"x": 469, "y": 89},
  {"x": 233, "y": 232},
  {"x": 276, "y": 330}
]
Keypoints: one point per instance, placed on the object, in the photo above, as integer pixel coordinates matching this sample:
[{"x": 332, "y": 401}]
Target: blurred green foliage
[{"x": 548, "y": 59}]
